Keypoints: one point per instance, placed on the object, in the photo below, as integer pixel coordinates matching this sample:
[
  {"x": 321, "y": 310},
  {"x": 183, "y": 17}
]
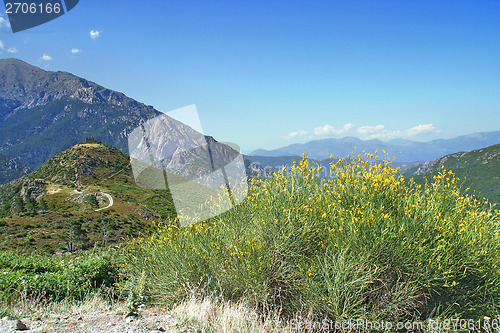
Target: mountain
[
  {"x": 403, "y": 150},
  {"x": 263, "y": 166},
  {"x": 11, "y": 169},
  {"x": 90, "y": 185},
  {"x": 478, "y": 169},
  {"x": 43, "y": 112}
]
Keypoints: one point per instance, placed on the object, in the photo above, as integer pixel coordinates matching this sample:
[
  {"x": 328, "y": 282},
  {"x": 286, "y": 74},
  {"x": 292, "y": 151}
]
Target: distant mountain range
[{"x": 403, "y": 150}]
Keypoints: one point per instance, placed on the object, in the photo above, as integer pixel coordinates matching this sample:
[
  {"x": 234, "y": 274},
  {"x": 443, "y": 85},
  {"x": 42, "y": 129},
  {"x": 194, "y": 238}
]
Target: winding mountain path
[{"x": 111, "y": 202}]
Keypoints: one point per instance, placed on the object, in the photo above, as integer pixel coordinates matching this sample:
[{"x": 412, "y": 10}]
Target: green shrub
[{"x": 54, "y": 278}]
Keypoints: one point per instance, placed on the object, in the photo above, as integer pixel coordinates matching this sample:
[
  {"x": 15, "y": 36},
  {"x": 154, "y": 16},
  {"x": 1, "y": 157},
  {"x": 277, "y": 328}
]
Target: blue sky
[{"x": 265, "y": 74}]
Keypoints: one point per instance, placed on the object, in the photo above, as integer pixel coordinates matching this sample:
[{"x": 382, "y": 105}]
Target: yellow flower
[{"x": 454, "y": 283}]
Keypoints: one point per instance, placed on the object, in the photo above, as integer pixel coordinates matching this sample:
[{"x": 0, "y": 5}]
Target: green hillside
[
  {"x": 479, "y": 170},
  {"x": 66, "y": 198}
]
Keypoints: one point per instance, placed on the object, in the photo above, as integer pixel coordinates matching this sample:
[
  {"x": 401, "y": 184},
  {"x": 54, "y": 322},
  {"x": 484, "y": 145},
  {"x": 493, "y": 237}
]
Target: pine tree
[
  {"x": 31, "y": 204},
  {"x": 74, "y": 234}
]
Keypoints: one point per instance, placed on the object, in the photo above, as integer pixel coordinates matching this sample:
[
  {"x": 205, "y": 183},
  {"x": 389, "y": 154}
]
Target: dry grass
[
  {"x": 38, "y": 308},
  {"x": 211, "y": 314}
]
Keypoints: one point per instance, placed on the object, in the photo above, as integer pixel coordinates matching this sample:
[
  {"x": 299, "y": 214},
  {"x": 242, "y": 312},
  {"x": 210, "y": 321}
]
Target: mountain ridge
[
  {"x": 403, "y": 150},
  {"x": 43, "y": 113}
]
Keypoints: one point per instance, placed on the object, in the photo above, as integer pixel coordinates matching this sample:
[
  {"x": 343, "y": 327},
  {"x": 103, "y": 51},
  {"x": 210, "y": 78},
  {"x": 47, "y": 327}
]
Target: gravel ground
[{"x": 150, "y": 320}]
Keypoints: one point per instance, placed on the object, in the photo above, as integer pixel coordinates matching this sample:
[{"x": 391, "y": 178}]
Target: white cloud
[
  {"x": 75, "y": 50},
  {"x": 422, "y": 129},
  {"x": 94, "y": 34},
  {"x": 12, "y": 50},
  {"x": 295, "y": 134},
  {"x": 380, "y": 132},
  {"x": 370, "y": 129},
  {"x": 328, "y": 129},
  {"x": 46, "y": 57},
  {"x": 2, "y": 46},
  {"x": 387, "y": 135},
  {"x": 4, "y": 23}
]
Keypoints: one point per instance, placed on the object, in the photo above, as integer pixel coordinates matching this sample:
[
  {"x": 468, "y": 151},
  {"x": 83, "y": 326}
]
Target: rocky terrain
[
  {"x": 97, "y": 321},
  {"x": 11, "y": 169}
]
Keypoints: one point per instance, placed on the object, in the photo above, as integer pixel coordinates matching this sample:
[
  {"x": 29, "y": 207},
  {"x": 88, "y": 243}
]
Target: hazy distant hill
[
  {"x": 35, "y": 209},
  {"x": 42, "y": 113},
  {"x": 478, "y": 169},
  {"x": 403, "y": 150}
]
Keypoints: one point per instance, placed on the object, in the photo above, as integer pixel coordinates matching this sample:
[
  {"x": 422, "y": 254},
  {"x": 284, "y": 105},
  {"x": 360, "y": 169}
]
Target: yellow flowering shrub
[{"x": 356, "y": 241}]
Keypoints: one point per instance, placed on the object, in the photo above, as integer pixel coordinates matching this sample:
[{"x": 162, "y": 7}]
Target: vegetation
[
  {"x": 368, "y": 245},
  {"x": 54, "y": 278},
  {"x": 477, "y": 169},
  {"x": 73, "y": 234},
  {"x": 68, "y": 188}
]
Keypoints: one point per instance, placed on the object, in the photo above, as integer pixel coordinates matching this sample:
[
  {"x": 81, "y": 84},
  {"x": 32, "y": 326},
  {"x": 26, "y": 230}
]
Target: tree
[
  {"x": 104, "y": 224},
  {"x": 74, "y": 234},
  {"x": 92, "y": 200}
]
